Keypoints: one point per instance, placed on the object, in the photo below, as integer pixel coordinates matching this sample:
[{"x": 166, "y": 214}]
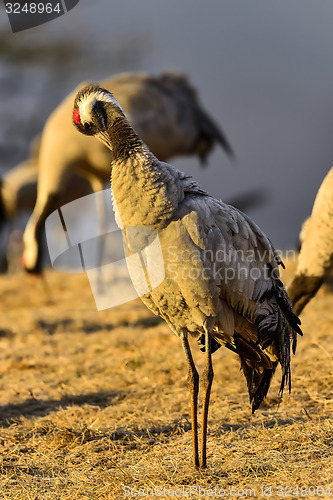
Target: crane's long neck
[{"x": 142, "y": 189}]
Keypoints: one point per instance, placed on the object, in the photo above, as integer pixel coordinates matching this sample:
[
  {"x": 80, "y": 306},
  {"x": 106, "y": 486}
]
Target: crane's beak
[{"x": 105, "y": 139}]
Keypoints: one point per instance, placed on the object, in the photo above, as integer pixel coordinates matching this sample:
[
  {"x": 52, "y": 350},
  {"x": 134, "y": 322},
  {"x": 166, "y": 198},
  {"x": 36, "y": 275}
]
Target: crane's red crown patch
[{"x": 76, "y": 116}]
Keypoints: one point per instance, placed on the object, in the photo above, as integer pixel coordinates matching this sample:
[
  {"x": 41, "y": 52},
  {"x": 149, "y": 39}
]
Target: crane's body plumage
[{"x": 210, "y": 251}]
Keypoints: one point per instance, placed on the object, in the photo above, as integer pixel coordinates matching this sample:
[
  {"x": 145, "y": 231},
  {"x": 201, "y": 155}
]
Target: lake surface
[{"x": 263, "y": 69}]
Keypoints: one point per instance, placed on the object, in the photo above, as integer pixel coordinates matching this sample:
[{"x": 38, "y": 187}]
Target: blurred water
[{"x": 264, "y": 70}]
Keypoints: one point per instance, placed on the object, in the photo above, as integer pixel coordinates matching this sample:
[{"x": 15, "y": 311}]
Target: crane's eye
[{"x": 88, "y": 126}]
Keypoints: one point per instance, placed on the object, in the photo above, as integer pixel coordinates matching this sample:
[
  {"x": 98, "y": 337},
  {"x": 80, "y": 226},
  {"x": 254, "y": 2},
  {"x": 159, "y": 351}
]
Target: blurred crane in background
[{"x": 165, "y": 110}]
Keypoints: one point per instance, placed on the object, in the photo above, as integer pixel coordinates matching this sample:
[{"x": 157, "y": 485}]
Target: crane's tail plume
[
  {"x": 257, "y": 366},
  {"x": 258, "y": 382},
  {"x": 209, "y": 135},
  {"x": 278, "y": 327}
]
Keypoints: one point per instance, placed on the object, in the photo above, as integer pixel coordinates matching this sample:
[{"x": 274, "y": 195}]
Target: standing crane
[
  {"x": 315, "y": 261},
  {"x": 165, "y": 110},
  {"x": 221, "y": 281}
]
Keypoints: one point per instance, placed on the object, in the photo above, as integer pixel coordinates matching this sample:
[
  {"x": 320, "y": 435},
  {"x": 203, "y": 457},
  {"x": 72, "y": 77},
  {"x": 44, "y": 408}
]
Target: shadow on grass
[
  {"x": 68, "y": 325},
  {"x": 267, "y": 423},
  {"x": 153, "y": 432},
  {"x": 129, "y": 436},
  {"x": 33, "y": 407}
]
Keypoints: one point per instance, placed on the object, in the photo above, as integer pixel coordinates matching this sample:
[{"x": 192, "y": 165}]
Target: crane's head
[{"x": 95, "y": 109}]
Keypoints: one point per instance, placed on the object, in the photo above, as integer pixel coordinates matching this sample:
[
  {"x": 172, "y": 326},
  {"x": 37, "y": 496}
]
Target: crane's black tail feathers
[
  {"x": 208, "y": 131},
  {"x": 277, "y": 326},
  {"x": 302, "y": 289},
  {"x": 210, "y": 134},
  {"x": 257, "y": 367},
  {"x": 258, "y": 382}
]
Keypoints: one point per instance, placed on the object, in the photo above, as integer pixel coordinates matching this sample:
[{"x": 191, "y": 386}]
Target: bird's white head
[{"x": 95, "y": 109}]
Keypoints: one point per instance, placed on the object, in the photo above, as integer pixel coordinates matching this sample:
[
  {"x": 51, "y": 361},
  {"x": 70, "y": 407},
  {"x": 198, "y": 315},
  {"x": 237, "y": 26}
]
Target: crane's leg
[
  {"x": 193, "y": 385},
  {"x": 207, "y": 380}
]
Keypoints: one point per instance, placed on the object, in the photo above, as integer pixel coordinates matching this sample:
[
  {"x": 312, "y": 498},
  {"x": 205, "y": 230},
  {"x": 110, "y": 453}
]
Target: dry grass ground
[{"x": 91, "y": 402}]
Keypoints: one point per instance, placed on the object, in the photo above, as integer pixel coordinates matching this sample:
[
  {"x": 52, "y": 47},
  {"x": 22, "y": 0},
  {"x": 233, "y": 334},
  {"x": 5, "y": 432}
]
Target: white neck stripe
[{"x": 88, "y": 102}]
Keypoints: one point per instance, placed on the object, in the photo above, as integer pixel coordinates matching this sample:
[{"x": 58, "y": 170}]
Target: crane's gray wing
[
  {"x": 242, "y": 261},
  {"x": 255, "y": 318}
]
